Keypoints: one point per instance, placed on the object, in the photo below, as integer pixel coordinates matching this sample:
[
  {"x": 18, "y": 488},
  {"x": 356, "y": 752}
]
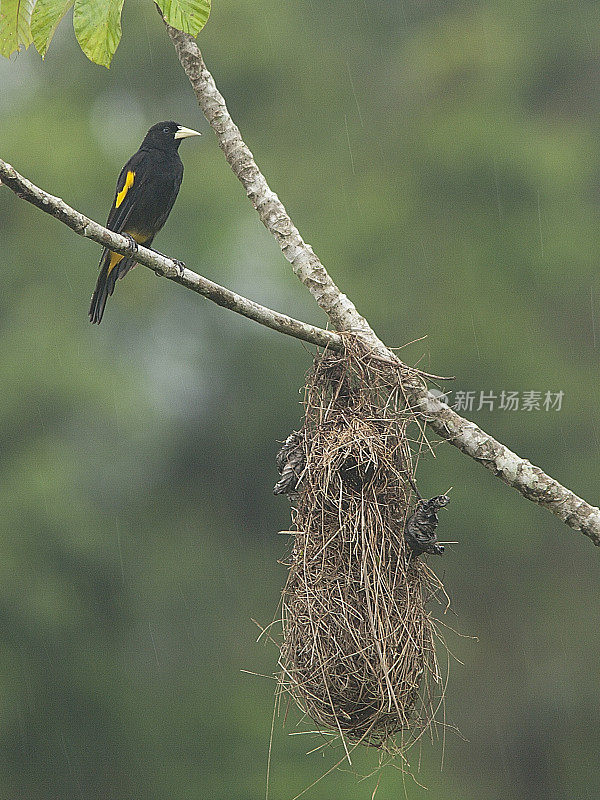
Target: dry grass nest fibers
[{"x": 358, "y": 651}]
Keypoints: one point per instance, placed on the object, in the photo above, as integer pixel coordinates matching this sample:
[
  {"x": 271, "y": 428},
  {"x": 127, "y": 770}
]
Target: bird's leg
[{"x": 178, "y": 264}]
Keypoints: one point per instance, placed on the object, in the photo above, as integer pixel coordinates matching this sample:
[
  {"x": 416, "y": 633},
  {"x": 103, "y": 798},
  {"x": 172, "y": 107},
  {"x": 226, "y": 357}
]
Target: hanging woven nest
[{"x": 358, "y": 652}]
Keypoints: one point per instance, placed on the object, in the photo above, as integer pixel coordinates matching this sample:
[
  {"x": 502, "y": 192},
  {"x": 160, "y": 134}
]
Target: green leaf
[
  {"x": 15, "y": 16},
  {"x": 46, "y": 16},
  {"x": 97, "y": 26},
  {"x": 189, "y": 16}
]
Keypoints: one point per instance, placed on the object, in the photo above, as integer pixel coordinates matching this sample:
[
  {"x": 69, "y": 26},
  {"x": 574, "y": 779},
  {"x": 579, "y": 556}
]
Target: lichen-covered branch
[
  {"x": 517, "y": 472},
  {"x": 271, "y": 211},
  {"x": 165, "y": 266}
]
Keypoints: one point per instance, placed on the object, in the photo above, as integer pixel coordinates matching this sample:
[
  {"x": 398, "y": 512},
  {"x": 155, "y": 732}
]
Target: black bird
[
  {"x": 419, "y": 531},
  {"x": 146, "y": 190}
]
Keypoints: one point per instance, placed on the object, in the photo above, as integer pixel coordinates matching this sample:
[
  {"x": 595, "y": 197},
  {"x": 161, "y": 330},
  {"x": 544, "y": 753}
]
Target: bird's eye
[{"x": 165, "y": 130}]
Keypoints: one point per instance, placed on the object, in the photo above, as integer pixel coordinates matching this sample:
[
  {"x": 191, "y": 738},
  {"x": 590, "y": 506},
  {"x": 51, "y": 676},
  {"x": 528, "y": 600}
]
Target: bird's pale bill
[{"x": 183, "y": 133}]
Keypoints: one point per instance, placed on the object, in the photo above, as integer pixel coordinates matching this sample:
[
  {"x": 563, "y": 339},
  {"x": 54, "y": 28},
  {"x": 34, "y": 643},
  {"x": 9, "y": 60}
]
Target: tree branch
[
  {"x": 165, "y": 266},
  {"x": 309, "y": 269},
  {"x": 517, "y": 472}
]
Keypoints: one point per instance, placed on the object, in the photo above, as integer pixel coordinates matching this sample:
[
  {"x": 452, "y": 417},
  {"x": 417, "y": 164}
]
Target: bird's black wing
[{"x": 129, "y": 186}]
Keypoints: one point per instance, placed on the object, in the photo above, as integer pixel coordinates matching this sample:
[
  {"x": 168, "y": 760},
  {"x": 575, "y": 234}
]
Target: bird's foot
[
  {"x": 180, "y": 266},
  {"x": 133, "y": 245}
]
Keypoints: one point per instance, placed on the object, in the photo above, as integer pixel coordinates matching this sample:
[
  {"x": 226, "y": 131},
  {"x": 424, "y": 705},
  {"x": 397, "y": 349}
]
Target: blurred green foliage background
[{"x": 443, "y": 160}]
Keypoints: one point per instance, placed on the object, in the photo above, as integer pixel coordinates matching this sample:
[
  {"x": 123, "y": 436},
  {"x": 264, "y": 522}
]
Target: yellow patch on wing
[{"x": 128, "y": 184}]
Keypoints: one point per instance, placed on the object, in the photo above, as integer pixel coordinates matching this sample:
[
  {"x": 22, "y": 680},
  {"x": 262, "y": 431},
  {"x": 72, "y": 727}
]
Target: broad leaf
[
  {"x": 97, "y": 26},
  {"x": 46, "y": 16},
  {"x": 15, "y": 16},
  {"x": 189, "y": 16}
]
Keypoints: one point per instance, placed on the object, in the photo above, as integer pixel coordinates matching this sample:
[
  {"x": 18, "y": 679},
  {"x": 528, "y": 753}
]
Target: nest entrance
[{"x": 358, "y": 652}]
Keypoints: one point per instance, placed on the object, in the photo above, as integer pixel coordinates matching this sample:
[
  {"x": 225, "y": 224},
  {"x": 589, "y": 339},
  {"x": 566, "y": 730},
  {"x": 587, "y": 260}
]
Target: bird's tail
[{"x": 112, "y": 266}]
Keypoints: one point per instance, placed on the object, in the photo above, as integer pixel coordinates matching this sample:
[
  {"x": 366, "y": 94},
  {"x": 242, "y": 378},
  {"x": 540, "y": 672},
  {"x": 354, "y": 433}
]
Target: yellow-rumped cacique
[{"x": 146, "y": 190}]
